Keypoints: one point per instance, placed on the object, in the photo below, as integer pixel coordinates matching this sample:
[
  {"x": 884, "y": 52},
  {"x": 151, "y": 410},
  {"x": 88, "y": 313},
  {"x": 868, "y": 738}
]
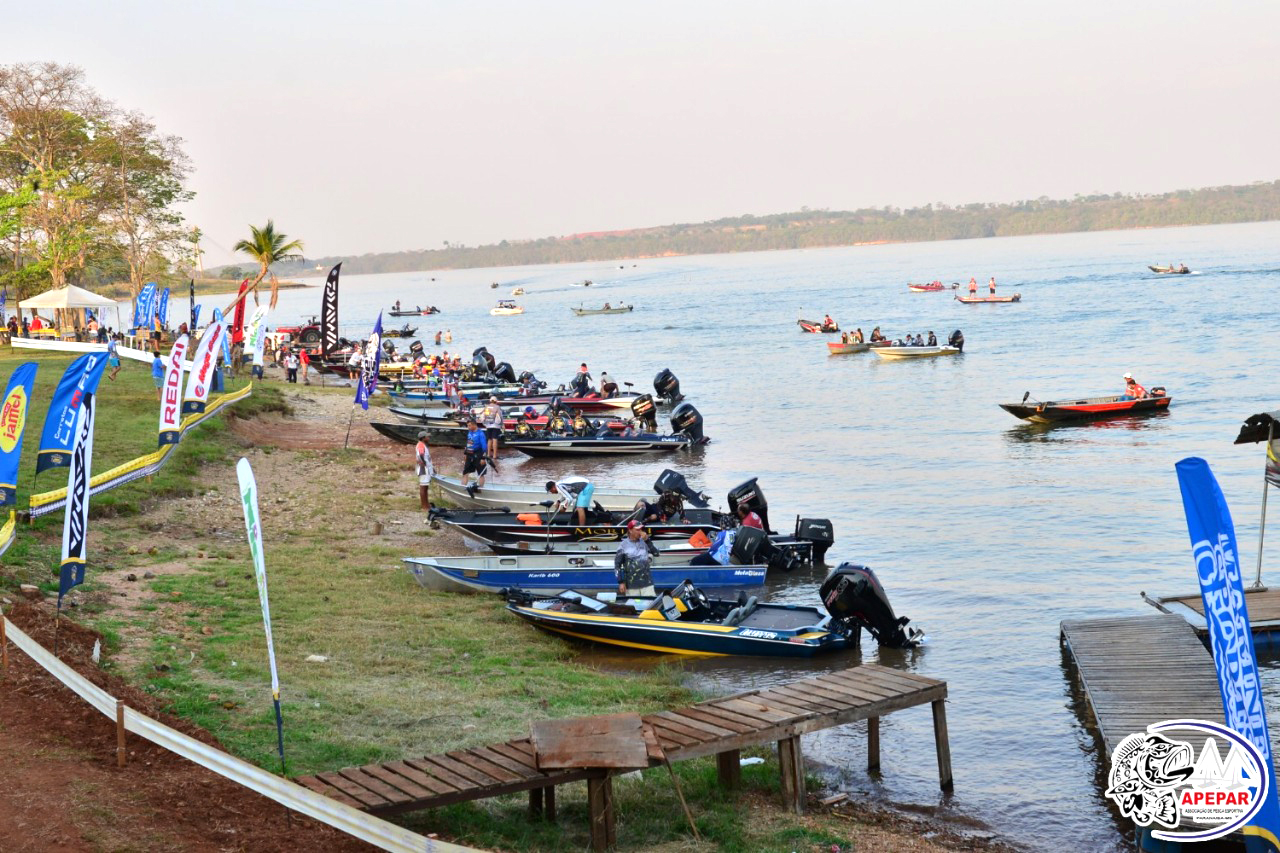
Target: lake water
[{"x": 985, "y": 531}]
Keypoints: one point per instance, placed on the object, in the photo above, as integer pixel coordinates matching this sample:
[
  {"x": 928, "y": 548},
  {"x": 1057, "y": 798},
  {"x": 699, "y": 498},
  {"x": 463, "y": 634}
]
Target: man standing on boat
[
  {"x": 492, "y": 417},
  {"x": 476, "y": 460},
  {"x": 632, "y": 561},
  {"x": 973, "y": 286},
  {"x": 1132, "y": 390},
  {"x": 992, "y": 285},
  {"x": 573, "y": 492}
]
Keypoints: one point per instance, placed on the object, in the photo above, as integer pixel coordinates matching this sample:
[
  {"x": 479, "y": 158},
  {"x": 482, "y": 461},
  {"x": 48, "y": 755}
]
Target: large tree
[{"x": 267, "y": 246}]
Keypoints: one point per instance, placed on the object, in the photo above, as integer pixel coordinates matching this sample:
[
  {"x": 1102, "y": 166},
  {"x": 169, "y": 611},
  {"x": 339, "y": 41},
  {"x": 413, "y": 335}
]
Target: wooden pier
[
  {"x": 1138, "y": 670},
  {"x": 1264, "y": 613},
  {"x": 720, "y": 727}
]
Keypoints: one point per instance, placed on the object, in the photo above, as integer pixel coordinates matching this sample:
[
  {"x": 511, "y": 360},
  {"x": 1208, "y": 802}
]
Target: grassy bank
[{"x": 372, "y": 667}]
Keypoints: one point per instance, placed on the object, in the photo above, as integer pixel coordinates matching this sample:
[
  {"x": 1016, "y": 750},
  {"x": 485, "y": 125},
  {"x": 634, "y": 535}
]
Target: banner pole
[
  {"x": 1262, "y": 526},
  {"x": 120, "y": 750},
  {"x": 350, "y": 418}
]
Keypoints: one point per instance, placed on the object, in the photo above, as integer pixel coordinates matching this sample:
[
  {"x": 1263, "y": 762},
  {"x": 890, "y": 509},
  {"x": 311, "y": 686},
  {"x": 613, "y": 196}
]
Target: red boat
[
  {"x": 818, "y": 326},
  {"x": 1091, "y": 408},
  {"x": 930, "y": 287}
]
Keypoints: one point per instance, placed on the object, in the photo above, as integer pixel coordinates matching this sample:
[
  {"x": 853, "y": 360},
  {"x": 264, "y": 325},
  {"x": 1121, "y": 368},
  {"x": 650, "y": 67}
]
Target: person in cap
[
  {"x": 475, "y": 458},
  {"x": 1132, "y": 390},
  {"x": 573, "y": 492},
  {"x": 632, "y": 561},
  {"x": 492, "y": 418},
  {"x": 425, "y": 470}
]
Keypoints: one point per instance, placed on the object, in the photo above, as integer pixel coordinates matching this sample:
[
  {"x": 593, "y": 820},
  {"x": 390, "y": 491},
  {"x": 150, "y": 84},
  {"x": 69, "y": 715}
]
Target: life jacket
[{"x": 1136, "y": 391}]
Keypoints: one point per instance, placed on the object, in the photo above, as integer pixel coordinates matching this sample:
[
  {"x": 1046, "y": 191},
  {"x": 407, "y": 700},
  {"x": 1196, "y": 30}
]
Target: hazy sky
[{"x": 374, "y": 125}]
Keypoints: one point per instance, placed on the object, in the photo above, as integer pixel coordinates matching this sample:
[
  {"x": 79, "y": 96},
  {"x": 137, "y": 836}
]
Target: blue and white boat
[{"x": 555, "y": 574}]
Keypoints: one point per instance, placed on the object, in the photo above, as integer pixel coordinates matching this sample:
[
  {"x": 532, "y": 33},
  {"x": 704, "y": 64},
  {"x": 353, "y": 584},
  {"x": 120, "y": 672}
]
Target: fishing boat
[
  {"x": 600, "y": 445},
  {"x": 405, "y": 331},
  {"x": 517, "y": 291},
  {"x": 1088, "y": 408},
  {"x": 589, "y": 403},
  {"x": 554, "y": 574},
  {"x": 416, "y": 312},
  {"x": 586, "y": 283},
  {"x": 506, "y": 307},
  {"x": 526, "y": 498},
  {"x": 589, "y": 548},
  {"x": 837, "y": 348},
  {"x": 817, "y": 326},
  {"x": 900, "y": 351},
  {"x": 607, "y": 309},
  {"x": 687, "y": 621},
  {"x": 1181, "y": 269},
  {"x": 979, "y": 300},
  {"x": 931, "y": 287}
]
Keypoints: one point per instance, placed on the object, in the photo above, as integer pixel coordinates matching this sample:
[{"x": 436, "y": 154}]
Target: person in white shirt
[{"x": 573, "y": 492}]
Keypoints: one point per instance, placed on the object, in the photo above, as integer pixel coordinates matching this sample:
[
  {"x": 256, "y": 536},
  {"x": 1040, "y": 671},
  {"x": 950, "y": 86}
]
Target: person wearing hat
[
  {"x": 492, "y": 417},
  {"x": 1132, "y": 390},
  {"x": 422, "y": 462},
  {"x": 475, "y": 459},
  {"x": 632, "y": 561}
]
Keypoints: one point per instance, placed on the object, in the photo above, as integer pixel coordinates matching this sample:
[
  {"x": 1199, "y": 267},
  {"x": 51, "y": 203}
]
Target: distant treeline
[{"x": 820, "y": 228}]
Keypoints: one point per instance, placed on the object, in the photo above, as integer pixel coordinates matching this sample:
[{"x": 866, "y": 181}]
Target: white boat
[
  {"x": 607, "y": 309},
  {"x": 522, "y": 498},
  {"x": 517, "y": 291},
  {"x": 506, "y": 306},
  {"x": 914, "y": 352}
]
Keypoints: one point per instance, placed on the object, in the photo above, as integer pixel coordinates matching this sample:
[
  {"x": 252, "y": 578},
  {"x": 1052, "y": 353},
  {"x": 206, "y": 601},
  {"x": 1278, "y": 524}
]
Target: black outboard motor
[
  {"x": 526, "y": 376},
  {"x": 504, "y": 372},
  {"x": 389, "y": 347},
  {"x": 819, "y": 533},
  {"x": 854, "y": 598},
  {"x": 752, "y": 547},
  {"x": 957, "y": 340},
  {"x": 415, "y": 348},
  {"x": 674, "y": 481},
  {"x": 667, "y": 386},
  {"x": 483, "y": 361},
  {"x": 748, "y": 494},
  {"x": 475, "y": 352},
  {"x": 687, "y": 420},
  {"x": 644, "y": 410}
]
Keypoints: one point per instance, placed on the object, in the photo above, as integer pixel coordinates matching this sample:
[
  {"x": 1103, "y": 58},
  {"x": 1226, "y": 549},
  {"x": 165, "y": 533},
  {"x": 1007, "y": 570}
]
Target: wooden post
[
  {"x": 535, "y": 803},
  {"x": 791, "y": 764},
  {"x": 873, "y": 743},
  {"x": 729, "y": 768},
  {"x": 600, "y": 805},
  {"x": 120, "y": 751},
  {"x": 550, "y": 800},
  {"x": 942, "y": 743}
]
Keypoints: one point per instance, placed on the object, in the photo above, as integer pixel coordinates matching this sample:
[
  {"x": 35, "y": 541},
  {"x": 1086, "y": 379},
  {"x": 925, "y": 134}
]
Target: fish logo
[{"x": 1149, "y": 768}]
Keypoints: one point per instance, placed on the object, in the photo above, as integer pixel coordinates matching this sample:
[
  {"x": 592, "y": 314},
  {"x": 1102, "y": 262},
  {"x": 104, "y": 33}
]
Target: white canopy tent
[{"x": 69, "y": 297}]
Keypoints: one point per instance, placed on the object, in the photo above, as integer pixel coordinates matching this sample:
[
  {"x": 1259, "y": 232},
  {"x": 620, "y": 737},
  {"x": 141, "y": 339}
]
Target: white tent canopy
[{"x": 67, "y": 297}]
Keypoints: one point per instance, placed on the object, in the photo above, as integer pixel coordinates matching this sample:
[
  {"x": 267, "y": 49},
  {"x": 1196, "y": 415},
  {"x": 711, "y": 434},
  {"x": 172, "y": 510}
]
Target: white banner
[
  {"x": 75, "y": 523},
  {"x": 171, "y": 394},
  {"x": 256, "y": 339},
  {"x": 202, "y": 366},
  {"x": 249, "y": 497}
]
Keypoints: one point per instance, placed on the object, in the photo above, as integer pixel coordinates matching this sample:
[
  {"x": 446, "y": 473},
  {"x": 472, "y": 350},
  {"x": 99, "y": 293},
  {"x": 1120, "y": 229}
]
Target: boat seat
[{"x": 737, "y": 614}]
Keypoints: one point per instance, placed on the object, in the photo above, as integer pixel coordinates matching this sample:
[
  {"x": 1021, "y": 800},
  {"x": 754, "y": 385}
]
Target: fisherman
[
  {"x": 857, "y": 337},
  {"x": 876, "y": 335},
  {"x": 748, "y": 518},
  {"x": 573, "y": 492},
  {"x": 1132, "y": 390},
  {"x": 992, "y": 286},
  {"x": 475, "y": 458},
  {"x": 425, "y": 470},
  {"x": 827, "y": 322},
  {"x": 581, "y": 383},
  {"x": 396, "y": 307},
  {"x": 608, "y": 388},
  {"x": 492, "y": 418},
  {"x": 973, "y": 287},
  {"x": 632, "y": 561},
  {"x": 933, "y": 339}
]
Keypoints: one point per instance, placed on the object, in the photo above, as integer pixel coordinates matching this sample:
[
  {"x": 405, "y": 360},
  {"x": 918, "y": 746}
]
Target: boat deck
[
  {"x": 720, "y": 727},
  {"x": 1263, "y": 604}
]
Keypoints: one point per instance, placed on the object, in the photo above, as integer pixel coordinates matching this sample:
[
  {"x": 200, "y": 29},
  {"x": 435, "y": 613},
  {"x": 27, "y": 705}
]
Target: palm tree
[{"x": 267, "y": 247}]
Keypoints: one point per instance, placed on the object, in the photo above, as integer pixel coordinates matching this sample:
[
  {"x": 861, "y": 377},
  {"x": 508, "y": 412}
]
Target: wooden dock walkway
[
  {"x": 1138, "y": 670},
  {"x": 1264, "y": 613},
  {"x": 720, "y": 727}
]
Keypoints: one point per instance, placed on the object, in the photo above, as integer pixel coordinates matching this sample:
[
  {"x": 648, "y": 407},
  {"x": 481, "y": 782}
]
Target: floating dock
[{"x": 1264, "y": 614}]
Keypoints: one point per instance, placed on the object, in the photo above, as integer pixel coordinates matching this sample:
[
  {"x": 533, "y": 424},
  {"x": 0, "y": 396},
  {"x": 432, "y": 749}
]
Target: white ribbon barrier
[
  {"x": 80, "y": 347},
  {"x": 355, "y": 823}
]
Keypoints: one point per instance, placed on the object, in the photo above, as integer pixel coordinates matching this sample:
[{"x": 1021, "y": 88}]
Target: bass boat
[
  {"x": 617, "y": 309},
  {"x": 513, "y": 497},
  {"x": 1089, "y": 408},
  {"x": 931, "y": 287},
  {"x": 687, "y": 621},
  {"x": 417, "y": 312},
  {"x": 506, "y": 307},
  {"x": 1181, "y": 269},
  {"x": 898, "y": 351},
  {"x": 555, "y": 574}
]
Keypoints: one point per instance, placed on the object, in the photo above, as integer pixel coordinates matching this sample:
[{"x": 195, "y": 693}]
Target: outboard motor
[
  {"x": 415, "y": 348},
  {"x": 646, "y": 412},
  {"x": 483, "y": 362},
  {"x": 504, "y": 372},
  {"x": 749, "y": 495},
  {"x": 388, "y": 347},
  {"x": 475, "y": 352},
  {"x": 854, "y": 598},
  {"x": 819, "y": 533},
  {"x": 752, "y": 547},
  {"x": 687, "y": 420},
  {"x": 1158, "y": 391},
  {"x": 674, "y": 481},
  {"x": 957, "y": 340},
  {"x": 667, "y": 386}
]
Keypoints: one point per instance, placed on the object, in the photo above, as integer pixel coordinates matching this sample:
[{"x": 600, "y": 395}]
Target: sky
[{"x": 382, "y": 126}]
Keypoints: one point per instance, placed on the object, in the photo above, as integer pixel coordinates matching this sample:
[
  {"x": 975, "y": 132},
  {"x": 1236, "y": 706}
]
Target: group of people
[
  {"x": 855, "y": 337},
  {"x": 446, "y": 336},
  {"x": 973, "y": 286}
]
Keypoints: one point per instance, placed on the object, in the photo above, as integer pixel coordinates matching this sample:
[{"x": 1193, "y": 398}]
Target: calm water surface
[{"x": 985, "y": 531}]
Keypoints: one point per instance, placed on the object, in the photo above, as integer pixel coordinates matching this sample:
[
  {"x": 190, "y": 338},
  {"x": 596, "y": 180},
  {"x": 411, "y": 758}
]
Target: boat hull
[
  {"x": 989, "y": 300},
  {"x": 579, "y": 446},
  {"x": 817, "y": 327},
  {"x": 586, "y": 312},
  {"x": 846, "y": 349},
  {"x": 1168, "y": 270},
  {"x": 1096, "y": 408},
  {"x": 558, "y": 574},
  {"x": 914, "y": 352},
  {"x": 766, "y": 633}
]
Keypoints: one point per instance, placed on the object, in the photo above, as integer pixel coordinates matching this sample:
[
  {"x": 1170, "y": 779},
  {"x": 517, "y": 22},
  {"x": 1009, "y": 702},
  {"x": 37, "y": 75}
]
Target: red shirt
[{"x": 753, "y": 520}]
